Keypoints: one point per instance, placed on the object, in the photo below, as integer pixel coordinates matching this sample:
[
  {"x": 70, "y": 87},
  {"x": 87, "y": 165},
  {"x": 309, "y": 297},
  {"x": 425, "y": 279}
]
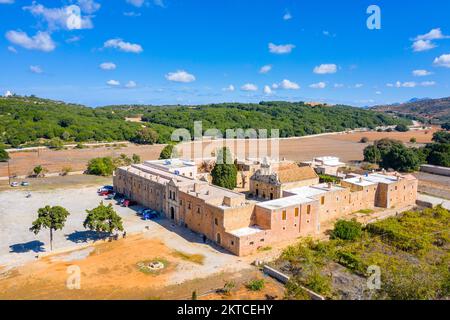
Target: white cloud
[
  {"x": 249, "y": 87},
  {"x": 159, "y": 3},
  {"x": 230, "y": 88},
  {"x": 442, "y": 61},
  {"x": 410, "y": 84},
  {"x": 325, "y": 68},
  {"x": 131, "y": 84},
  {"x": 89, "y": 6},
  {"x": 108, "y": 66},
  {"x": 281, "y": 49},
  {"x": 288, "y": 85},
  {"x": 113, "y": 83},
  {"x": 41, "y": 41},
  {"x": 265, "y": 69},
  {"x": 136, "y": 3},
  {"x": 267, "y": 90},
  {"x": 36, "y": 69},
  {"x": 359, "y": 85},
  {"x": 12, "y": 49},
  {"x": 180, "y": 76},
  {"x": 432, "y": 35},
  {"x": 424, "y": 42},
  {"x": 421, "y": 73},
  {"x": 6, "y": 1},
  {"x": 132, "y": 14},
  {"x": 64, "y": 17},
  {"x": 287, "y": 16},
  {"x": 423, "y": 45},
  {"x": 73, "y": 39},
  {"x": 378, "y": 92},
  {"x": 428, "y": 83},
  {"x": 319, "y": 85},
  {"x": 123, "y": 46},
  {"x": 338, "y": 85}
]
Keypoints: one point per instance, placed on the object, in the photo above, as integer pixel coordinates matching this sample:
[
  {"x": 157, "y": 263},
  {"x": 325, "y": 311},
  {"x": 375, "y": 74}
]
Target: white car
[{"x": 14, "y": 184}]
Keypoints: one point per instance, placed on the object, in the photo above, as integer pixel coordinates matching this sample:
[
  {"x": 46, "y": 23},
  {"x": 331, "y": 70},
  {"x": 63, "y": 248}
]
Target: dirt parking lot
[{"x": 109, "y": 269}]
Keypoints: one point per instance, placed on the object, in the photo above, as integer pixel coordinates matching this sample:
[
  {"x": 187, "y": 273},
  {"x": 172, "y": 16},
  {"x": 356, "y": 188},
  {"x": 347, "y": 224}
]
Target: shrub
[
  {"x": 65, "y": 171},
  {"x": 346, "y": 230},
  {"x": 413, "y": 140},
  {"x": 146, "y": 136},
  {"x": 136, "y": 158},
  {"x": 101, "y": 166},
  {"x": 4, "y": 156},
  {"x": 255, "y": 285},
  {"x": 364, "y": 140},
  {"x": 168, "y": 152},
  {"x": 229, "y": 285},
  {"x": 401, "y": 128}
]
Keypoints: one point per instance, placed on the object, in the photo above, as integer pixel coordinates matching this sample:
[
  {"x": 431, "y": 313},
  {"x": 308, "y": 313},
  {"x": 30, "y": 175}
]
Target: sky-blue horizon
[{"x": 199, "y": 52}]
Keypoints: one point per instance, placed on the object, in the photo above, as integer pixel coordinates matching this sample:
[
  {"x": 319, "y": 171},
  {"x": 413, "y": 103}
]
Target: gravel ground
[{"x": 18, "y": 245}]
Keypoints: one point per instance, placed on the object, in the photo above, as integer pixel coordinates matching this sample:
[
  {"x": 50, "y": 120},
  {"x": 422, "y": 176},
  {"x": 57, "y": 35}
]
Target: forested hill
[
  {"x": 32, "y": 121},
  {"x": 293, "y": 119},
  {"x": 435, "y": 110}
]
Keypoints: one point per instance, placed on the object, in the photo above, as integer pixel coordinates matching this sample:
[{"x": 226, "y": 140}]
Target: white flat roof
[
  {"x": 317, "y": 189},
  {"x": 284, "y": 202},
  {"x": 246, "y": 231},
  {"x": 372, "y": 179}
]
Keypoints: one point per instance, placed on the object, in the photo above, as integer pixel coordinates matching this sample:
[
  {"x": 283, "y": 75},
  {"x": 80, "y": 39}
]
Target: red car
[
  {"x": 128, "y": 203},
  {"x": 105, "y": 192}
]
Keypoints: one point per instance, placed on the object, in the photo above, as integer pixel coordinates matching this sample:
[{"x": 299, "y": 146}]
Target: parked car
[
  {"x": 14, "y": 184},
  {"x": 150, "y": 214},
  {"x": 111, "y": 196},
  {"x": 105, "y": 192},
  {"x": 105, "y": 189},
  {"x": 128, "y": 203},
  {"x": 25, "y": 183}
]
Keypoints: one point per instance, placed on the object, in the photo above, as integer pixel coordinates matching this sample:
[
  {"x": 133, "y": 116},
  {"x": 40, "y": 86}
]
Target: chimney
[
  {"x": 360, "y": 179},
  {"x": 330, "y": 185},
  {"x": 196, "y": 187}
]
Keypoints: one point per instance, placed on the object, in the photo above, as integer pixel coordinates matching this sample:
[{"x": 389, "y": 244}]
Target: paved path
[{"x": 434, "y": 201}]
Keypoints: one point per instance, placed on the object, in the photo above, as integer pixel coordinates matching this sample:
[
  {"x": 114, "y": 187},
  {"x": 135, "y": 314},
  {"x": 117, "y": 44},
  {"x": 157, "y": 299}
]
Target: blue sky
[{"x": 204, "y": 51}]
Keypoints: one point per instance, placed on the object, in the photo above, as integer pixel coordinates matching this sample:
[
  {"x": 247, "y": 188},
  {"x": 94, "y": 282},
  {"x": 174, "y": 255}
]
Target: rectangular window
[
  {"x": 296, "y": 212},
  {"x": 308, "y": 209},
  {"x": 284, "y": 215},
  {"x": 322, "y": 200}
]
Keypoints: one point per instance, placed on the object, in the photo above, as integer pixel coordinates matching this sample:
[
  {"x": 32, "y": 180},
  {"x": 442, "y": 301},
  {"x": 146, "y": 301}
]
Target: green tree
[
  {"x": 346, "y": 230},
  {"x": 52, "y": 218},
  {"x": 446, "y": 125},
  {"x": 103, "y": 219},
  {"x": 4, "y": 156},
  {"x": 146, "y": 136},
  {"x": 441, "y": 137},
  {"x": 224, "y": 173},
  {"x": 169, "y": 152},
  {"x": 136, "y": 158},
  {"x": 101, "y": 166},
  {"x": 56, "y": 143},
  {"x": 38, "y": 170},
  {"x": 372, "y": 154},
  {"x": 402, "y": 128},
  {"x": 401, "y": 158}
]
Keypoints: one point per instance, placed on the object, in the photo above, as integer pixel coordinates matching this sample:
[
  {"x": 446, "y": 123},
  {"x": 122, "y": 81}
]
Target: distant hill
[
  {"x": 26, "y": 121},
  {"x": 434, "y": 110}
]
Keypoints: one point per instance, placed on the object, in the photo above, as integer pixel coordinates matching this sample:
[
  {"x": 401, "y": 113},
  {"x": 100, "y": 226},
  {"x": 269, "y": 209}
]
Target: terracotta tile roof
[{"x": 292, "y": 173}]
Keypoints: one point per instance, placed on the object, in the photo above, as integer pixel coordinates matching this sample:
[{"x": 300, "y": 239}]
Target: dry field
[
  {"x": 109, "y": 270},
  {"x": 345, "y": 146}
]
